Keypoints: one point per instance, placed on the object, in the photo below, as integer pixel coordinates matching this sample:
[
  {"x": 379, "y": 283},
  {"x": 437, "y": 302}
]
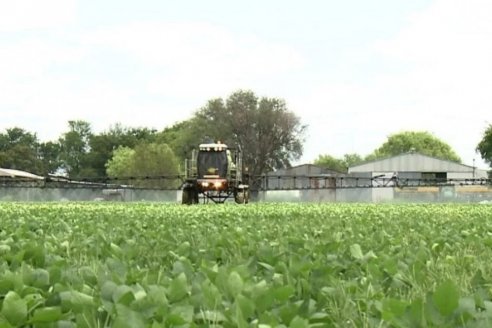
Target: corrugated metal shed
[
  {"x": 304, "y": 169},
  {"x": 300, "y": 177},
  {"x": 412, "y": 162}
]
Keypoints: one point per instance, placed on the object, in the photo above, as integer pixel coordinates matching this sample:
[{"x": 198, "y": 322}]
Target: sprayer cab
[{"x": 215, "y": 173}]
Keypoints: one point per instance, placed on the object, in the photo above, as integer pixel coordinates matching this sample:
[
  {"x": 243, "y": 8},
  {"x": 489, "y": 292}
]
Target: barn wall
[
  {"x": 30, "y": 194},
  {"x": 411, "y": 162}
]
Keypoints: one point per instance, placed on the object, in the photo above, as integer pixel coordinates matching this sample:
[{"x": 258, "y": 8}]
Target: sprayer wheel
[
  {"x": 186, "y": 198},
  {"x": 241, "y": 196}
]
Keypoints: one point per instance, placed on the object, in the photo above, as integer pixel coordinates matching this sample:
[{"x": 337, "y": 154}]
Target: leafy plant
[{"x": 263, "y": 265}]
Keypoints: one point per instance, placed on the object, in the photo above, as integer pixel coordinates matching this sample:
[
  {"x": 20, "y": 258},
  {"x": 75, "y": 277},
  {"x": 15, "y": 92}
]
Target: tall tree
[
  {"x": 49, "y": 153},
  {"x": 422, "y": 142},
  {"x": 74, "y": 147},
  {"x": 122, "y": 163},
  {"x": 485, "y": 146},
  {"x": 19, "y": 150},
  {"x": 145, "y": 160},
  {"x": 183, "y": 137},
  {"x": 101, "y": 146},
  {"x": 269, "y": 135}
]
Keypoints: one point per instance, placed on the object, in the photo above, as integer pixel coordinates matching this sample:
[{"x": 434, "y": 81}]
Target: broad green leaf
[
  {"x": 180, "y": 315},
  {"x": 393, "y": 308},
  {"x": 47, "y": 314},
  {"x": 282, "y": 294},
  {"x": 123, "y": 294},
  {"x": 66, "y": 324},
  {"x": 178, "y": 288},
  {"x": 40, "y": 278},
  {"x": 211, "y": 295},
  {"x": 184, "y": 249},
  {"x": 9, "y": 281},
  {"x": 88, "y": 275},
  {"x": 138, "y": 292},
  {"x": 34, "y": 300},
  {"x": 55, "y": 273},
  {"x": 4, "y": 323},
  {"x": 157, "y": 295},
  {"x": 299, "y": 322},
  {"x": 446, "y": 297},
  {"x": 235, "y": 283},
  {"x": 127, "y": 318},
  {"x": 369, "y": 255},
  {"x": 246, "y": 306},
  {"x": 76, "y": 301},
  {"x": 319, "y": 317},
  {"x": 356, "y": 251},
  {"x": 116, "y": 250},
  {"x": 107, "y": 290},
  {"x": 259, "y": 289},
  {"x": 288, "y": 312},
  {"x": 118, "y": 269},
  {"x": 156, "y": 324},
  {"x": 14, "y": 309}
]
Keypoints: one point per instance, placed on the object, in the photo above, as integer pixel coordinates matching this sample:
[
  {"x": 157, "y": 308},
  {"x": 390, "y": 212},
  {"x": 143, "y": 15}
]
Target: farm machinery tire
[
  {"x": 189, "y": 196},
  {"x": 241, "y": 196}
]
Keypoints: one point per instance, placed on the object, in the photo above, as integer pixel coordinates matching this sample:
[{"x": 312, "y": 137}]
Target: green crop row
[{"x": 261, "y": 265}]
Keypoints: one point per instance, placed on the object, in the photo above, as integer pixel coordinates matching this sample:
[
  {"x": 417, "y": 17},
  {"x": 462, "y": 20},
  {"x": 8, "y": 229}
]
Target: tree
[
  {"x": 19, "y": 150},
  {"x": 352, "y": 159},
  {"x": 183, "y": 137},
  {"x": 74, "y": 147},
  {"x": 145, "y": 160},
  {"x": 49, "y": 153},
  {"x": 338, "y": 164},
  {"x": 102, "y": 146},
  {"x": 122, "y": 163},
  {"x": 269, "y": 135},
  {"x": 421, "y": 142},
  {"x": 331, "y": 163},
  {"x": 485, "y": 146}
]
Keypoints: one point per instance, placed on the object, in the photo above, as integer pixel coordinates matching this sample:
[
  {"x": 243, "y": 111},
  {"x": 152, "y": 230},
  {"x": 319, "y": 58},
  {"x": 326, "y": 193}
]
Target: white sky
[{"x": 354, "y": 71}]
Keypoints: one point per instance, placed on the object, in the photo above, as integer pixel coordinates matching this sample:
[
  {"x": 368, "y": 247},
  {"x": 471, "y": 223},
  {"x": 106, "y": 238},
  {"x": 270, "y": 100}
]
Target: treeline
[
  {"x": 78, "y": 152},
  {"x": 269, "y": 135}
]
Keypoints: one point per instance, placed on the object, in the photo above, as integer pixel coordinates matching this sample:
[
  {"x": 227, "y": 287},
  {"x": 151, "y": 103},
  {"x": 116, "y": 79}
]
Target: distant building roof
[
  {"x": 411, "y": 162},
  {"x": 19, "y": 174},
  {"x": 305, "y": 169}
]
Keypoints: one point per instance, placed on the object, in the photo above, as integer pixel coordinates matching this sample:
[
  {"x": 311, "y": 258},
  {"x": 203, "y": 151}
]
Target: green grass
[{"x": 260, "y": 265}]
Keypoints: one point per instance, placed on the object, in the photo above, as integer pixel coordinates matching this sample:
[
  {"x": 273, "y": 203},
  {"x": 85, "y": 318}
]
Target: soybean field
[{"x": 260, "y": 265}]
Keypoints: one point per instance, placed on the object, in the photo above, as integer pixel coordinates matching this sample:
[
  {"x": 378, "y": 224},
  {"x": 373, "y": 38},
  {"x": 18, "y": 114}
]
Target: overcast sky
[{"x": 354, "y": 71}]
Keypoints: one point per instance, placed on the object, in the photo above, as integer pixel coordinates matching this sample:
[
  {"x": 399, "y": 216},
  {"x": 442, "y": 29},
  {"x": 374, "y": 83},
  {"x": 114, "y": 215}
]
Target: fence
[
  {"x": 264, "y": 189},
  {"x": 363, "y": 195}
]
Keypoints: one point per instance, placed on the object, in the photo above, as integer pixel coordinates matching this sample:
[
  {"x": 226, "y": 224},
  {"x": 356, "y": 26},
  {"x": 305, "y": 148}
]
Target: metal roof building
[
  {"x": 304, "y": 169},
  {"x": 300, "y": 177},
  {"x": 418, "y": 166}
]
